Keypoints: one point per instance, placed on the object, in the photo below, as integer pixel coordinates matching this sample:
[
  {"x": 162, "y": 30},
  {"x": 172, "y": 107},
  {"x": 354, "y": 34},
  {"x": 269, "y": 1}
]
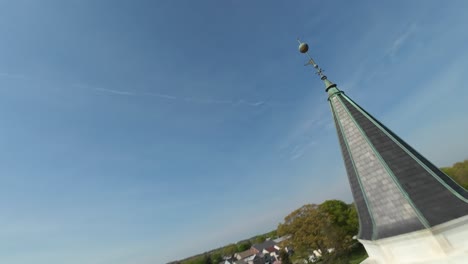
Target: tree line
[
  {"x": 317, "y": 228},
  {"x": 458, "y": 172},
  {"x": 324, "y": 231},
  {"x": 215, "y": 256}
]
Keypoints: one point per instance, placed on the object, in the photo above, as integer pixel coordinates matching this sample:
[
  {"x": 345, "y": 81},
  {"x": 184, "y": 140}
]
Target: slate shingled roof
[{"x": 395, "y": 189}]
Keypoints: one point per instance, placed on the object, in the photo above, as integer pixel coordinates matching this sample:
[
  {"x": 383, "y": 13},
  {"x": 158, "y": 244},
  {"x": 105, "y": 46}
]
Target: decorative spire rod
[{"x": 304, "y": 48}]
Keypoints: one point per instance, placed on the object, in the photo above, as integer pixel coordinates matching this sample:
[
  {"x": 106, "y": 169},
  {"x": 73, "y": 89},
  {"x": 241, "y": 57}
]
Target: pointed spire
[
  {"x": 396, "y": 190},
  {"x": 401, "y": 198},
  {"x": 330, "y": 87}
]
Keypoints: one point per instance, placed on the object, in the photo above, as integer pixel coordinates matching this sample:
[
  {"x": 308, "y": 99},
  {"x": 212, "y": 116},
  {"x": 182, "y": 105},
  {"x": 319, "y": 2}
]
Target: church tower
[{"x": 409, "y": 210}]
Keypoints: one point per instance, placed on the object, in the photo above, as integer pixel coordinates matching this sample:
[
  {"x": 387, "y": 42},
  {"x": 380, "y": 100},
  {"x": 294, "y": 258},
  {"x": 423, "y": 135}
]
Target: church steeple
[{"x": 396, "y": 190}]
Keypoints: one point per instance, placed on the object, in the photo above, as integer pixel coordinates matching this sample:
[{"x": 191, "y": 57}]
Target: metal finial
[{"x": 304, "y": 48}]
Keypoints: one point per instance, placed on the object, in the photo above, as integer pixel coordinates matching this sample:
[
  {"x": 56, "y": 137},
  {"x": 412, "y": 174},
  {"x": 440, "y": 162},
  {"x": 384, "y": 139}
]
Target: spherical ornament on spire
[{"x": 303, "y": 47}]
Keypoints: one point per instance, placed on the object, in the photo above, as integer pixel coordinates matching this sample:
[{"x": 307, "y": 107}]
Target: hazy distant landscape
[{"x": 331, "y": 224}]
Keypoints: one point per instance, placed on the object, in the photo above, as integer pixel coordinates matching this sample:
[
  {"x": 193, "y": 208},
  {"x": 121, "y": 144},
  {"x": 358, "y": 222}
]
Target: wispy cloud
[
  {"x": 164, "y": 96},
  {"x": 12, "y": 75},
  {"x": 441, "y": 137},
  {"x": 114, "y": 91},
  {"x": 243, "y": 102},
  {"x": 223, "y": 102},
  {"x": 400, "y": 40},
  {"x": 300, "y": 149},
  {"x": 302, "y": 137},
  {"x": 178, "y": 98}
]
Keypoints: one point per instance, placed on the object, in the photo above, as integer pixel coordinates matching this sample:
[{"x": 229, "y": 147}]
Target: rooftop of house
[
  {"x": 254, "y": 257},
  {"x": 245, "y": 254},
  {"x": 260, "y": 247},
  {"x": 271, "y": 249},
  {"x": 281, "y": 239}
]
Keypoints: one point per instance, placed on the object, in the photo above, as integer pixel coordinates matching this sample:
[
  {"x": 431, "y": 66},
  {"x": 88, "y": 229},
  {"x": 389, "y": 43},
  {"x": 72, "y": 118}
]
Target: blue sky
[{"x": 147, "y": 131}]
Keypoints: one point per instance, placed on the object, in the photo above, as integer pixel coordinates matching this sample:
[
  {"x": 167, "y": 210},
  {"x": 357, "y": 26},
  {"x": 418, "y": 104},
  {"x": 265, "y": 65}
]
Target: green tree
[
  {"x": 260, "y": 239},
  {"x": 272, "y": 234},
  {"x": 284, "y": 256},
  {"x": 321, "y": 227},
  {"x": 229, "y": 250},
  {"x": 195, "y": 260},
  {"x": 243, "y": 246},
  {"x": 216, "y": 258},
  {"x": 207, "y": 259},
  {"x": 458, "y": 172},
  {"x": 340, "y": 226},
  {"x": 353, "y": 219},
  {"x": 305, "y": 226}
]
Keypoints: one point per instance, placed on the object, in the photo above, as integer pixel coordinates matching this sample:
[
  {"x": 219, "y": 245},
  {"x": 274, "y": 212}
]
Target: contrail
[
  {"x": 173, "y": 97},
  {"x": 114, "y": 91}
]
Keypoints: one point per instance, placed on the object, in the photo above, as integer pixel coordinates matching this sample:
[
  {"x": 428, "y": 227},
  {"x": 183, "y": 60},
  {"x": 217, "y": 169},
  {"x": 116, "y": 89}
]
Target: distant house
[
  {"x": 244, "y": 254},
  {"x": 269, "y": 250},
  {"x": 255, "y": 259},
  {"x": 269, "y": 259},
  {"x": 258, "y": 248},
  {"x": 318, "y": 252},
  {"x": 281, "y": 239},
  {"x": 273, "y": 252}
]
